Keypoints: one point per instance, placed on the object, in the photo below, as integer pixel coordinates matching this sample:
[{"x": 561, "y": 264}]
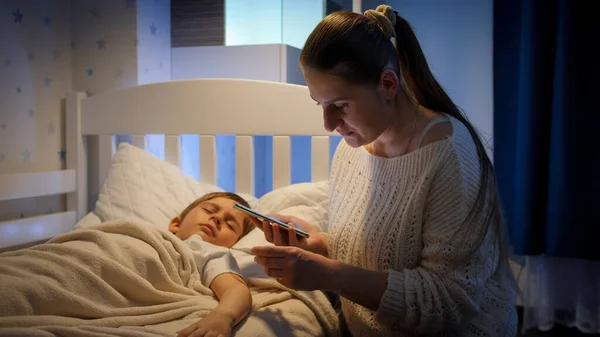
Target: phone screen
[{"x": 261, "y": 216}]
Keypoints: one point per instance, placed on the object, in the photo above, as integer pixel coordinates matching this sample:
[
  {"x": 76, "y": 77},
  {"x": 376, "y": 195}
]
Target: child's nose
[{"x": 217, "y": 221}]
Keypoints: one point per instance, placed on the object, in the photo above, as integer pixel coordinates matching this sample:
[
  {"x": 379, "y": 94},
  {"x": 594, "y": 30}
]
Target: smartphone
[{"x": 261, "y": 216}]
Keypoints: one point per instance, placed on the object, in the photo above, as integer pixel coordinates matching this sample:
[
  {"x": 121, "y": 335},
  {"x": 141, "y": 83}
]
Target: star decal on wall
[
  {"x": 153, "y": 29},
  {"x": 18, "y": 16},
  {"x": 47, "y": 20},
  {"x": 90, "y": 72},
  {"x": 51, "y": 128},
  {"x": 62, "y": 154},
  {"x": 47, "y": 81},
  {"x": 129, "y": 3},
  {"x": 19, "y": 89},
  {"x": 26, "y": 155},
  {"x": 6, "y": 62},
  {"x": 31, "y": 113},
  {"x": 101, "y": 44},
  {"x": 94, "y": 12}
]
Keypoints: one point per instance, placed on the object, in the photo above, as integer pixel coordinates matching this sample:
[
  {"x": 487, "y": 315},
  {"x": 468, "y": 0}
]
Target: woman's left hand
[{"x": 294, "y": 267}]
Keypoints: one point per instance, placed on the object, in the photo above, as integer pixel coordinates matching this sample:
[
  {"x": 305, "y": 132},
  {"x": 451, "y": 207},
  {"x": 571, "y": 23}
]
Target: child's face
[{"x": 215, "y": 220}]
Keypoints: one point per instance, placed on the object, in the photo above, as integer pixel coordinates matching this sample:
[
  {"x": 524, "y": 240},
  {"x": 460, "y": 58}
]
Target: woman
[{"x": 415, "y": 243}]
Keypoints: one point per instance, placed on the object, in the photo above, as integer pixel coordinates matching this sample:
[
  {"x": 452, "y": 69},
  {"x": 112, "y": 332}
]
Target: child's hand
[{"x": 209, "y": 326}]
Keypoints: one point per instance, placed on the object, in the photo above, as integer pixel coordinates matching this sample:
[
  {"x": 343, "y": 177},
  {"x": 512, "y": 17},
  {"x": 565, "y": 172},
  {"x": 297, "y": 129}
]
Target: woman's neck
[{"x": 397, "y": 139}]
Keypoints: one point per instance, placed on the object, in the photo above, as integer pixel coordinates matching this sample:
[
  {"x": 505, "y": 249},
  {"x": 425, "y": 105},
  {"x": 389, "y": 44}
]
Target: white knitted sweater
[{"x": 394, "y": 215}]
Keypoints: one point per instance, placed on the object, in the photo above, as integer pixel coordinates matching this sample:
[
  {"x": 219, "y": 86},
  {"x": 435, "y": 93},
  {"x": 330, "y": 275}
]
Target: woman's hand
[
  {"x": 296, "y": 268},
  {"x": 279, "y": 236}
]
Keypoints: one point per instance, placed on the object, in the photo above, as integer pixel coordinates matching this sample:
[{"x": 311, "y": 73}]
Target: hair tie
[{"x": 385, "y": 18}]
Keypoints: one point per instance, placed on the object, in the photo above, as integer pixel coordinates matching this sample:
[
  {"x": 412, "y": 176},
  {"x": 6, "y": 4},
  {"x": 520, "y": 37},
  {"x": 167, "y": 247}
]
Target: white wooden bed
[{"x": 205, "y": 107}]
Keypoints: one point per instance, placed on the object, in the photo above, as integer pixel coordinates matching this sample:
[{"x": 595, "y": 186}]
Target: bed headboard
[{"x": 205, "y": 107}]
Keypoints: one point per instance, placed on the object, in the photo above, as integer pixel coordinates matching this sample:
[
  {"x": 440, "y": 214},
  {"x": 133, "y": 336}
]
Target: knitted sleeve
[{"x": 440, "y": 294}]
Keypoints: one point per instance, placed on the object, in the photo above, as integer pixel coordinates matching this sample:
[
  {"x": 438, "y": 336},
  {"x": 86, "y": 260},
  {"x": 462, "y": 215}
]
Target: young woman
[{"x": 416, "y": 242}]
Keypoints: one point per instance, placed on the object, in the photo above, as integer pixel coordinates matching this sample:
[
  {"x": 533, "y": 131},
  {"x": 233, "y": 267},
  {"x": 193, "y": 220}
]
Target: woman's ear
[
  {"x": 174, "y": 225},
  {"x": 389, "y": 84}
]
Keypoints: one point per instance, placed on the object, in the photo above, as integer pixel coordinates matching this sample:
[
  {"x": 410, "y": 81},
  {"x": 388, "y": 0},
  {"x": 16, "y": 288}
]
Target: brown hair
[
  {"x": 247, "y": 226},
  {"x": 358, "y": 48}
]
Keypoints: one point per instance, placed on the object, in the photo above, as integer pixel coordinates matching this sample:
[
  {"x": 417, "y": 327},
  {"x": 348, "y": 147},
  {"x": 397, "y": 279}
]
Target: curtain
[{"x": 546, "y": 156}]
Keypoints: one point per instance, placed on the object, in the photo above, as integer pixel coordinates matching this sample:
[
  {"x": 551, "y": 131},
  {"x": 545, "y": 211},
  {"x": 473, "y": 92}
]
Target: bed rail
[
  {"x": 204, "y": 107},
  {"x": 71, "y": 182},
  {"x": 209, "y": 107}
]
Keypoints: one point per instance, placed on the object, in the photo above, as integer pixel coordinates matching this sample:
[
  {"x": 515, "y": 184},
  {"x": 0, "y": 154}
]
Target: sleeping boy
[
  {"x": 210, "y": 226},
  {"x": 91, "y": 276}
]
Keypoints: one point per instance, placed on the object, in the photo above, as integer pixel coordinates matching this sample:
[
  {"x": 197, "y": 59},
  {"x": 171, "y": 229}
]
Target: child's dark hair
[{"x": 247, "y": 226}]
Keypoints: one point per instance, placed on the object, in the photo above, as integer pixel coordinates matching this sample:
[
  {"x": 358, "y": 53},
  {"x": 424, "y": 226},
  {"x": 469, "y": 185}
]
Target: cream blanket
[{"x": 125, "y": 278}]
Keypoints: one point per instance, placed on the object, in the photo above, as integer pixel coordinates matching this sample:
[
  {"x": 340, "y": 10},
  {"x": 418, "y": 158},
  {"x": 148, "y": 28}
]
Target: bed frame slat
[
  {"x": 139, "y": 141},
  {"x": 319, "y": 158},
  {"x": 27, "y": 185},
  {"x": 281, "y": 161},
  {"x": 22, "y": 231},
  {"x": 173, "y": 150},
  {"x": 208, "y": 159},
  {"x": 76, "y": 155},
  {"x": 244, "y": 165}
]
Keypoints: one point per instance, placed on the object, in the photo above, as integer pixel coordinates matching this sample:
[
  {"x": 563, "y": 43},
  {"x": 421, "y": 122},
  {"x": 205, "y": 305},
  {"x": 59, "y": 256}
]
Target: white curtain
[{"x": 560, "y": 291}]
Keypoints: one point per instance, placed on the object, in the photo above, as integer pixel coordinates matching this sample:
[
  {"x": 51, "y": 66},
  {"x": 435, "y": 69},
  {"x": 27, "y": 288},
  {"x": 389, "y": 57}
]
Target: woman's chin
[{"x": 353, "y": 139}]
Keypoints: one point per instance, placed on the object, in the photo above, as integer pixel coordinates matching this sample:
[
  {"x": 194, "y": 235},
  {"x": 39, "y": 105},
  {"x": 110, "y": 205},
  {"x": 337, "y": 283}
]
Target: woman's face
[{"x": 360, "y": 113}]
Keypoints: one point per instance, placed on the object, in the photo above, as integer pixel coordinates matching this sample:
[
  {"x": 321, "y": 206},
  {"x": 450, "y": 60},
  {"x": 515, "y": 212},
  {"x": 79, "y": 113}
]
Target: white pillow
[
  {"x": 308, "y": 201},
  {"x": 90, "y": 219},
  {"x": 142, "y": 186}
]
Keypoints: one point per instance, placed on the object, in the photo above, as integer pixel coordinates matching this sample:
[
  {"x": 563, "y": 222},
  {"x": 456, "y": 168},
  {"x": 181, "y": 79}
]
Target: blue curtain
[{"x": 547, "y": 125}]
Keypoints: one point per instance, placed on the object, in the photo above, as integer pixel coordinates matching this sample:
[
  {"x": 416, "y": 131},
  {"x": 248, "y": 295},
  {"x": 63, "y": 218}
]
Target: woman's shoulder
[
  {"x": 463, "y": 143},
  {"x": 449, "y": 129},
  {"x": 436, "y": 127},
  {"x": 449, "y": 139},
  {"x": 461, "y": 160}
]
